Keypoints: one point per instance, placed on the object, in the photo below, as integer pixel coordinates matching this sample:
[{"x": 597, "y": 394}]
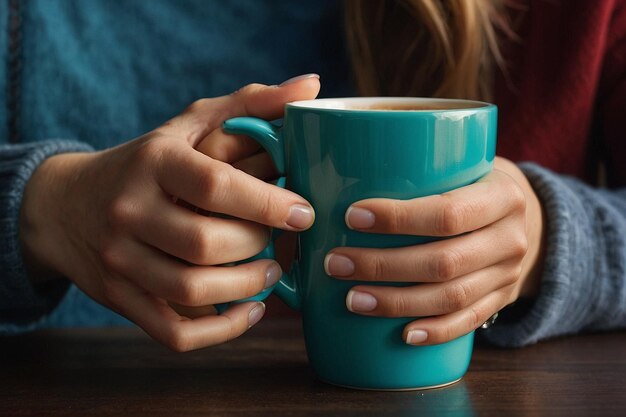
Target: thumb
[
  {"x": 257, "y": 100},
  {"x": 268, "y": 102}
]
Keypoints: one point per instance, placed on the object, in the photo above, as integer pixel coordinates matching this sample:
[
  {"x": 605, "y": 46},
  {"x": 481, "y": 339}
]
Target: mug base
[{"x": 447, "y": 384}]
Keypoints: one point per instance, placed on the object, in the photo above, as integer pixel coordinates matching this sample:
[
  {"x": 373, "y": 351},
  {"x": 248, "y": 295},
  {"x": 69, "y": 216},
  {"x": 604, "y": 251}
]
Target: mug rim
[{"x": 334, "y": 104}]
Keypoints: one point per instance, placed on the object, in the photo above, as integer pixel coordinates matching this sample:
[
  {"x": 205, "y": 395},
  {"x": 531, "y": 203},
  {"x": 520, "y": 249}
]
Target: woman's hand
[
  {"x": 123, "y": 224},
  {"x": 493, "y": 258}
]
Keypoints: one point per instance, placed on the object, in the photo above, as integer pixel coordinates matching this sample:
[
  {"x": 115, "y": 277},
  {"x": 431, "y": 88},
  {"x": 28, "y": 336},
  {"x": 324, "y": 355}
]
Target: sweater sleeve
[
  {"x": 584, "y": 278},
  {"x": 23, "y": 306},
  {"x": 611, "y": 100}
]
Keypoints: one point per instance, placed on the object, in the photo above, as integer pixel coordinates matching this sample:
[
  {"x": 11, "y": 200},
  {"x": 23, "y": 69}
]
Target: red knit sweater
[{"x": 564, "y": 105}]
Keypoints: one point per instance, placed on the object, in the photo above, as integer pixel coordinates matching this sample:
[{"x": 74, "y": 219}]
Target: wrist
[
  {"x": 42, "y": 218},
  {"x": 532, "y": 268},
  {"x": 532, "y": 264}
]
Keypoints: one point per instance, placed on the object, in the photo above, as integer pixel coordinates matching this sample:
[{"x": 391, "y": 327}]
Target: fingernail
[
  {"x": 300, "y": 216},
  {"x": 359, "y": 218},
  {"x": 273, "y": 274},
  {"x": 298, "y": 78},
  {"x": 338, "y": 265},
  {"x": 255, "y": 314},
  {"x": 416, "y": 336},
  {"x": 361, "y": 302}
]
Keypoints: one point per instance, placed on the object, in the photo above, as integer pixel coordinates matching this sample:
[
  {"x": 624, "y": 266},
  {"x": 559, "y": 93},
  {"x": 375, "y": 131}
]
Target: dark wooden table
[{"x": 121, "y": 372}]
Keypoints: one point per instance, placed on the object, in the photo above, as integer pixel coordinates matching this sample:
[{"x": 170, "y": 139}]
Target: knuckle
[
  {"x": 514, "y": 275},
  {"x": 450, "y": 218},
  {"x": 188, "y": 291},
  {"x": 243, "y": 94},
  {"x": 198, "y": 106},
  {"x": 510, "y": 278},
  {"x": 166, "y": 126},
  {"x": 253, "y": 282},
  {"x": 517, "y": 198},
  {"x": 197, "y": 119},
  {"x": 177, "y": 339},
  {"x": 267, "y": 207},
  {"x": 214, "y": 183},
  {"x": 512, "y": 294},
  {"x": 401, "y": 306},
  {"x": 400, "y": 218},
  {"x": 151, "y": 151},
  {"x": 446, "y": 265},
  {"x": 380, "y": 267},
  {"x": 149, "y": 156},
  {"x": 232, "y": 328},
  {"x": 202, "y": 243},
  {"x": 520, "y": 246},
  {"x": 455, "y": 297},
  {"x": 121, "y": 212},
  {"x": 476, "y": 317},
  {"x": 248, "y": 89},
  {"x": 446, "y": 334},
  {"x": 110, "y": 256}
]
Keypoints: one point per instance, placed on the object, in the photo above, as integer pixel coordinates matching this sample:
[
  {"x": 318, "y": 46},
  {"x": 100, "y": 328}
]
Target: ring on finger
[{"x": 490, "y": 321}]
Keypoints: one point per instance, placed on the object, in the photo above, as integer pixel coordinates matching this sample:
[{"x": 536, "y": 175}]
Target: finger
[
  {"x": 189, "y": 285},
  {"x": 430, "y": 299},
  {"x": 195, "y": 238},
  {"x": 227, "y": 148},
  {"x": 459, "y": 211},
  {"x": 441, "y": 329},
  {"x": 178, "y": 333},
  {"x": 438, "y": 261},
  {"x": 259, "y": 165},
  {"x": 218, "y": 187},
  {"x": 193, "y": 312},
  {"x": 258, "y": 100},
  {"x": 268, "y": 103}
]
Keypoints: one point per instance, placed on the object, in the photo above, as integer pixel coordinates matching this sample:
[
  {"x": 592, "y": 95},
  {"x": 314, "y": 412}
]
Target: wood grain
[{"x": 121, "y": 372}]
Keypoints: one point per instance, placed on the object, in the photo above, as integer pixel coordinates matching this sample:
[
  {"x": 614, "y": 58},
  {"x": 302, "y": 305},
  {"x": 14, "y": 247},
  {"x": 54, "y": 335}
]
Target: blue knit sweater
[{"x": 90, "y": 74}]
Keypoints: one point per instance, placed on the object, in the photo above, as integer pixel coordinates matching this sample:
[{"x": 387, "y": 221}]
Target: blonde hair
[{"x": 430, "y": 48}]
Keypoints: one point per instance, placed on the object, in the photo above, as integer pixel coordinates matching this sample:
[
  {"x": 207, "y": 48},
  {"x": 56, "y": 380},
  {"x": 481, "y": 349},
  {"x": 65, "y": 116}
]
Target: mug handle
[{"x": 270, "y": 137}]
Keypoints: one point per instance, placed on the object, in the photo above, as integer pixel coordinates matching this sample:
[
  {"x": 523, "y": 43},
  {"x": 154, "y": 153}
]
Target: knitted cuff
[
  {"x": 21, "y": 303},
  {"x": 566, "y": 281}
]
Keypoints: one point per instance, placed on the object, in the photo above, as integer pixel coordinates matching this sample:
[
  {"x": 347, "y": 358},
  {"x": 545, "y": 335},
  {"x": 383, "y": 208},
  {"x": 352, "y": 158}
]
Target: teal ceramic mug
[{"x": 335, "y": 152}]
